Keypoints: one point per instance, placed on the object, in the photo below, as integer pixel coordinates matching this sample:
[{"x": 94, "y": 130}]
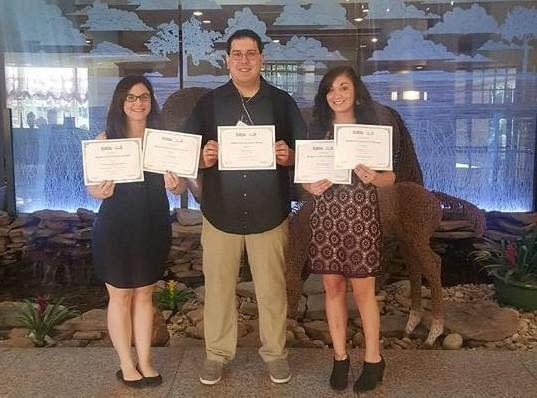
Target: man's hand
[
  {"x": 209, "y": 154},
  {"x": 285, "y": 156}
]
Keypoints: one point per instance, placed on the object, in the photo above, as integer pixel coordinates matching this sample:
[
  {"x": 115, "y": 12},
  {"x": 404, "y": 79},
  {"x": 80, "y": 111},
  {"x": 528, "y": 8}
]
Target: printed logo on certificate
[
  {"x": 246, "y": 148},
  {"x": 314, "y": 161},
  {"x": 118, "y": 160},
  {"x": 367, "y": 144},
  {"x": 171, "y": 151}
]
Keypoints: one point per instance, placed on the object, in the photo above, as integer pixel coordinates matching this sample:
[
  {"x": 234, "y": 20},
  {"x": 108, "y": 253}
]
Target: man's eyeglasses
[
  {"x": 133, "y": 98},
  {"x": 250, "y": 55}
]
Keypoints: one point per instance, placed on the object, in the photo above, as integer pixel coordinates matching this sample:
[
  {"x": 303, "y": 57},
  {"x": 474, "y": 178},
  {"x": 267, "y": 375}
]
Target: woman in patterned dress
[{"x": 345, "y": 225}]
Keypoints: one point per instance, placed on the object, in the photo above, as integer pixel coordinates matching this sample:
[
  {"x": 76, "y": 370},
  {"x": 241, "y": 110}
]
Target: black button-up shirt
[{"x": 249, "y": 201}]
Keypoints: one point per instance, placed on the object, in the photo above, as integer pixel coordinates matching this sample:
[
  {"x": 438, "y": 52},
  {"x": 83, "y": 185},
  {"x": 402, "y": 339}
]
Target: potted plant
[{"x": 513, "y": 266}]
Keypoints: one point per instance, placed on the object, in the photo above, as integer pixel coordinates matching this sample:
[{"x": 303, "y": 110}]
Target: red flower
[
  {"x": 511, "y": 255},
  {"x": 42, "y": 304}
]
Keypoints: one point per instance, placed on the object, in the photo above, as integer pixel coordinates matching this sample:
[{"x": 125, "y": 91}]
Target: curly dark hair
[
  {"x": 116, "y": 124},
  {"x": 322, "y": 113}
]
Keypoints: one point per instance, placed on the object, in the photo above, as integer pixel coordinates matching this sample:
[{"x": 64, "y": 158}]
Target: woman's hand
[
  {"x": 209, "y": 154},
  {"x": 174, "y": 184},
  {"x": 317, "y": 188},
  {"x": 370, "y": 176},
  {"x": 102, "y": 191}
]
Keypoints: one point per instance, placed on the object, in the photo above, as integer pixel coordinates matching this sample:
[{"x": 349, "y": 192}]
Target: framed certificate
[
  {"x": 171, "y": 151},
  {"x": 246, "y": 148},
  {"x": 314, "y": 161},
  {"x": 370, "y": 145},
  {"x": 118, "y": 160}
]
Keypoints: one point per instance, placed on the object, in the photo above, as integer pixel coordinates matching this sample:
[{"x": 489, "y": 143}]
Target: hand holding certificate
[
  {"x": 118, "y": 160},
  {"x": 171, "y": 151},
  {"x": 314, "y": 161},
  {"x": 246, "y": 148},
  {"x": 370, "y": 145}
]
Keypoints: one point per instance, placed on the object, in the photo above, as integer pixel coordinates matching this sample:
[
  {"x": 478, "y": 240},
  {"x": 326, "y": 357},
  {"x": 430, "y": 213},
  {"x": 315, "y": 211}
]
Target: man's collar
[{"x": 231, "y": 90}]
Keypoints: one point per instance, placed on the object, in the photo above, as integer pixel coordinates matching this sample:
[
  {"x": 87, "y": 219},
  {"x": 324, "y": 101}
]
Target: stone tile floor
[{"x": 90, "y": 372}]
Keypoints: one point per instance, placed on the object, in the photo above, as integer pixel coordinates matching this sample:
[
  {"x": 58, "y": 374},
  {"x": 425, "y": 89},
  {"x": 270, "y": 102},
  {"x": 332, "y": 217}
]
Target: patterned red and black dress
[{"x": 346, "y": 233}]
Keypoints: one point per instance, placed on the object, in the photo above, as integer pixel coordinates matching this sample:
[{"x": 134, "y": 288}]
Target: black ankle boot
[
  {"x": 371, "y": 375},
  {"x": 340, "y": 373}
]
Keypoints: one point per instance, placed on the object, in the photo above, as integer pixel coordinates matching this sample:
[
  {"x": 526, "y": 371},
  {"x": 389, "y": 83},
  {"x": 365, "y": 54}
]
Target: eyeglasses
[
  {"x": 250, "y": 55},
  {"x": 132, "y": 98}
]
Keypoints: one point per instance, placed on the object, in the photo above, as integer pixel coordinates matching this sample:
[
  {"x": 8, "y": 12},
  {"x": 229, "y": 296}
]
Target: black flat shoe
[
  {"x": 131, "y": 383},
  {"x": 372, "y": 374},
  {"x": 151, "y": 381},
  {"x": 340, "y": 373}
]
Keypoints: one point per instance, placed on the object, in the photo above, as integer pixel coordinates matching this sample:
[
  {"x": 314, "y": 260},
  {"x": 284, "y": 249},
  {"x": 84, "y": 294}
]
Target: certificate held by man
[
  {"x": 118, "y": 160},
  {"x": 171, "y": 151},
  {"x": 246, "y": 148},
  {"x": 314, "y": 161},
  {"x": 367, "y": 144}
]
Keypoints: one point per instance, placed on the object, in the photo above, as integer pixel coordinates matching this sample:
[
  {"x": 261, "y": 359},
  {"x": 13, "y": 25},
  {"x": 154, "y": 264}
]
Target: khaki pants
[{"x": 221, "y": 262}]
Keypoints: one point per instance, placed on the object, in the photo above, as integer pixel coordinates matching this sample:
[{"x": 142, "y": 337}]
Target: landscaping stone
[
  {"x": 88, "y": 321},
  {"x": 95, "y": 335},
  {"x": 188, "y": 216},
  {"x": 9, "y": 312},
  {"x": 249, "y": 308},
  {"x": 452, "y": 341},
  {"x": 195, "y": 316},
  {"x": 246, "y": 289},
  {"x": 392, "y": 325}
]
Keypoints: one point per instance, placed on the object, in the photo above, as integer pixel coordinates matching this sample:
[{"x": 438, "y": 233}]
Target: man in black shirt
[{"x": 245, "y": 209}]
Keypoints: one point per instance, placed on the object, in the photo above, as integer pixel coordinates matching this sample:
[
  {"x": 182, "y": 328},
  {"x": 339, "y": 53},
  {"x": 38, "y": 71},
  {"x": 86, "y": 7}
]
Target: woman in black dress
[
  {"x": 345, "y": 225},
  {"x": 132, "y": 235}
]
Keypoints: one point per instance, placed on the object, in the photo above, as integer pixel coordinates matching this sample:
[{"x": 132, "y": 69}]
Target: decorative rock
[
  {"x": 318, "y": 330},
  {"x": 184, "y": 230},
  {"x": 166, "y": 314},
  {"x": 249, "y": 308},
  {"x": 313, "y": 285},
  {"x": 9, "y": 312},
  {"x": 302, "y": 306},
  {"x": 195, "y": 331},
  {"x": 358, "y": 339},
  {"x": 160, "y": 335},
  {"x": 95, "y": 335},
  {"x": 195, "y": 316},
  {"x": 200, "y": 293},
  {"x": 243, "y": 329},
  {"x": 188, "y": 216},
  {"x": 246, "y": 289},
  {"x": 483, "y": 321},
  {"x": 88, "y": 321},
  {"x": 452, "y": 341},
  {"x": 392, "y": 325},
  {"x": 315, "y": 307}
]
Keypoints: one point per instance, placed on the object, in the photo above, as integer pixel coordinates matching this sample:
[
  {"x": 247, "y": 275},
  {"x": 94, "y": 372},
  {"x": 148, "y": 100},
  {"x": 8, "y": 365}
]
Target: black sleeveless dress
[{"x": 132, "y": 234}]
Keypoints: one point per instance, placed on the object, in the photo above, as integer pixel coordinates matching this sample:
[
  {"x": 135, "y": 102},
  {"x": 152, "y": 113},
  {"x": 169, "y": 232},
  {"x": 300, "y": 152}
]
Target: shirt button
[
  {"x": 244, "y": 175},
  {"x": 245, "y": 213},
  {"x": 244, "y": 194},
  {"x": 244, "y": 227}
]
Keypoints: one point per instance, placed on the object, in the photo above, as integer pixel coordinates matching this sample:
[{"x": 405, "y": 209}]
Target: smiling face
[
  {"x": 137, "y": 104},
  {"x": 244, "y": 62},
  {"x": 341, "y": 96}
]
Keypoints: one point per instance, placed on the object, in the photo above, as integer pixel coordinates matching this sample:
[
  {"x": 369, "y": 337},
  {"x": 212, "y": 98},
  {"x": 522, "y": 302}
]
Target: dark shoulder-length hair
[
  {"x": 116, "y": 121},
  {"x": 322, "y": 113}
]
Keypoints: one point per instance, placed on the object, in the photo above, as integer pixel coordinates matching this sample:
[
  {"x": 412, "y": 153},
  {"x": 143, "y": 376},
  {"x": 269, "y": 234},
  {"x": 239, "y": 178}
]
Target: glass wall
[{"x": 463, "y": 75}]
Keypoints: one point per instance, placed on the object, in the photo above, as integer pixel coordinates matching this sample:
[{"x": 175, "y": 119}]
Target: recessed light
[
  {"x": 206, "y": 21},
  {"x": 197, "y": 13},
  {"x": 419, "y": 66},
  {"x": 276, "y": 40},
  {"x": 365, "y": 10},
  {"x": 374, "y": 39},
  {"x": 358, "y": 19},
  {"x": 363, "y": 45}
]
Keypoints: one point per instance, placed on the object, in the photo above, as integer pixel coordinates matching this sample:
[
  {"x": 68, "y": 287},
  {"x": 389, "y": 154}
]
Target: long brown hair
[
  {"x": 116, "y": 121},
  {"x": 322, "y": 113}
]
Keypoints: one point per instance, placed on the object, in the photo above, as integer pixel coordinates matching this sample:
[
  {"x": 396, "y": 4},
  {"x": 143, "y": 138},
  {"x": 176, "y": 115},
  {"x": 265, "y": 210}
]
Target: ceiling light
[
  {"x": 358, "y": 19},
  {"x": 197, "y": 13},
  {"x": 276, "y": 40},
  {"x": 206, "y": 21},
  {"x": 374, "y": 39}
]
